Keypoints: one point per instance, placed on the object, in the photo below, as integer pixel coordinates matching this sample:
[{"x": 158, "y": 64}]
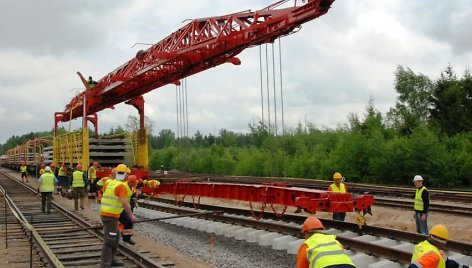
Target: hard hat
[
  {"x": 337, "y": 175},
  {"x": 121, "y": 171},
  {"x": 417, "y": 178},
  {"x": 145, "y": 182},
  {"x": 78, "y": 167},
  {"x": 47, "y": 169},
  {"x": 439, "y": 233},
  {"x": 312, "y": 223},
  {"x": 95, "y": 163},
  {"x": 132, "y": 178},
  {"x": 53, "y": 165},
  {"x": 113, "y": 170}
]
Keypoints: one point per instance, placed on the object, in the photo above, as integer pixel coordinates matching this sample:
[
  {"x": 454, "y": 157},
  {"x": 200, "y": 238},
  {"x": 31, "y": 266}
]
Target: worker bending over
[
  {"x": 428, "y": 254},
  {"x": 321, "y": 250}
]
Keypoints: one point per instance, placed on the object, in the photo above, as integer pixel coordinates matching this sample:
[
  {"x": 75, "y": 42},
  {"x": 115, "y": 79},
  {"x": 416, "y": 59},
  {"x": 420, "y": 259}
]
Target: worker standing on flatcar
[
  {"x": 114, "y": 202},
  {"x": 24, "y": 172},
  {"x": 78, "y": 187},
  {"x": 338, "y": 187},
  {"x": 92, "y": 177},
  {"x": 429, "y": 254},
  {"x": 46, "y": 188},
  {"x": 321, "y": 250}
]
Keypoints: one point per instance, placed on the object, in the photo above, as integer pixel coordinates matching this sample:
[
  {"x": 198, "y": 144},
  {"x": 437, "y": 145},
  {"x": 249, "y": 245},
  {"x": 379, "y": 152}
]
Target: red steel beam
[{"x": 201, "y": 44}]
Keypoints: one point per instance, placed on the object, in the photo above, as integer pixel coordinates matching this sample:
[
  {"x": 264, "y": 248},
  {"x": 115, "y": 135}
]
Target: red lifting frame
[
  {"x": 308, "y": 199},
  {"x": 200, "y": 45}
]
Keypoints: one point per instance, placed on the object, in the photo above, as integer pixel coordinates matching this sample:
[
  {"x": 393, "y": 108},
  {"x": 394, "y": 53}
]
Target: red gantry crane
[{"x": 200, "y": 45}]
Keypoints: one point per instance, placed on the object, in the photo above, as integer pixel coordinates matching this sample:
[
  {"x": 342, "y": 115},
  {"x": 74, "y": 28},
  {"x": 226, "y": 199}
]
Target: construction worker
[
  {"x": 92, "y": 177},
  {"x": 41, "y": 169},
  {"x": 24, "y": 172},
  {"x": 320, "y": 250},
  {"x": 114, "y": 201},
  {"x": 421, "y": 205},
  {"x": 338, "y": 187},
  {"x": 46, "y": 188},
  {"x": 62, "y": 174},
  {"x": 91, "y": 83},
  {"x": 78, "y": 187},
  {"x": 125, "y": 221},
  {"x": 428, "y": 254},
  {"x": 102, "y": 182}
]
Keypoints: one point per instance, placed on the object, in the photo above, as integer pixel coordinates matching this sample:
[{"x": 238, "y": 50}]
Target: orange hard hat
[
  {"x": 78, "y": 167},
  {"x": 52, "y": 164},
  {"x": 132, "y": 178},
  {"x": 312, "y": 223}
]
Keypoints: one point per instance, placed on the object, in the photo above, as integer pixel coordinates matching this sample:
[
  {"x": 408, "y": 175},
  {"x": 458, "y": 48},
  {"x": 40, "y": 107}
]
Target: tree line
[{"x": 427, "y": 132}]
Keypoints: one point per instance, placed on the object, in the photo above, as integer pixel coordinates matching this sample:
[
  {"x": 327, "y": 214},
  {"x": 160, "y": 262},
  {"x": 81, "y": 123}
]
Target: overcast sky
[{"x": 331, "y": 67}]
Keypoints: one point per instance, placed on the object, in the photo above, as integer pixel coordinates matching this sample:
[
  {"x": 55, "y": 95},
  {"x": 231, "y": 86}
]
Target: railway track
[
  {"x": 58, "y": 239},
  {"x": 373, "y": 247}
]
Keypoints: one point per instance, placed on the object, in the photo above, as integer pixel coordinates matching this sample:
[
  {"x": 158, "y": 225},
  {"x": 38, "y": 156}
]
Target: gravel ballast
[{"x": 226, "y": 252}]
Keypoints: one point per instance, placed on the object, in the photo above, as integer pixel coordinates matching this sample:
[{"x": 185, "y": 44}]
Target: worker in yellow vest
[
  {"x": 46, "y": 188},
  {"x": 101, "y": 183},
  {"x": 114, "y": 201},
  {"x": 92, "y": 178},
  {"x": 338, "y": 187},
  {"x": 24, "y": 172},
  {"x": 320, "y": 250},
  {"x": 428, "y": 254},
  {"x": 62, "y": 174},
  {"x": 79, "y": 182},
  {"x": 41, "y": 169},
  {"x": 421, "y": 205}
]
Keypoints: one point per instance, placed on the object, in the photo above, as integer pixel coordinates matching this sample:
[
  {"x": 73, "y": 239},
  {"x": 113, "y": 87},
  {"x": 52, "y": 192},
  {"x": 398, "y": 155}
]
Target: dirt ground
[{"x": 460, "y": 228}]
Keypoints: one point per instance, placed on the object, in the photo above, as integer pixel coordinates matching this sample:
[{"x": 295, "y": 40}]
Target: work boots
[{"x": 127, "y": 239}]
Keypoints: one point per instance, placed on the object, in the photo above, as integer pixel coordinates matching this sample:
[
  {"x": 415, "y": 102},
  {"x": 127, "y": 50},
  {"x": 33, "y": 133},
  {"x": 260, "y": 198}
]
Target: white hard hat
[
  {"x": 47, "y": 169},
  {"x": 417, "y": 178}
]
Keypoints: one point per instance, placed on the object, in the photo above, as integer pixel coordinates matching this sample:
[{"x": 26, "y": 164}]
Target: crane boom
[{"x": 199, "y": 45}]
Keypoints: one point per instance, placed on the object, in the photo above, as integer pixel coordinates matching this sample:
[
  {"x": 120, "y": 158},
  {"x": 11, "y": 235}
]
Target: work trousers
[
  {"x": 421, "y": 226},
  {"x": 111, "y": 238},
  {"x": 46, "y": 199},
  {"x": 127, "y": 222},
  {"x": 78, "y": 192}
]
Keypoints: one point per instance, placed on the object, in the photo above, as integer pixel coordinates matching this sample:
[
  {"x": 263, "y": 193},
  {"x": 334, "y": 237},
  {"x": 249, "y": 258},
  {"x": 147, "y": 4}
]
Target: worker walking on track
[
  {"x": 24, "y": 172},
  {"x": 321, "y": 250},
  {"x": 114, "y": 201},
  {"x": 428, "y": 254},
  {"x": 338, "y": 187},
  {"x": 62, "y": 174},
  {"x": 78, "y": 187},
  {"x": 421, "y": 205},
  {"x": 46, "y": 188}
]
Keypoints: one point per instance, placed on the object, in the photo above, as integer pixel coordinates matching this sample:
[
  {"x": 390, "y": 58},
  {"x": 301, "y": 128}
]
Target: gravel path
[{"x": 226, "y": 253}]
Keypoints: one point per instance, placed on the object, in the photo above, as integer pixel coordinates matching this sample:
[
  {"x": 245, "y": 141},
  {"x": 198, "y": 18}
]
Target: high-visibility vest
[
  {"x": 62, "y": 172},
  {"x": 78, "y": 179},
  {"x": 419, "y": 205},
  {"x": 424, "y": 248},
  {"x": 23, "y": 169},
  {"x": 92, "y": 173},
  {"x": 129, "y": 192},
  {"x": 47, "y": 182},
  {"x": 324, "y": 250},
  {"x": 102, "y": 181},
  {"x": 341, "y": 189},
  {"x": 41, "y": 171},
  {"x": 111, "y": 203}
]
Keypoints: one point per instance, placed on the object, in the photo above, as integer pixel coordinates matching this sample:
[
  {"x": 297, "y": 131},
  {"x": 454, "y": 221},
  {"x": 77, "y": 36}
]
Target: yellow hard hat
[
  {"x": 439, "y": 233},
  {"x": 122, "y": 168},
  {"x": 337, "y": 175}
]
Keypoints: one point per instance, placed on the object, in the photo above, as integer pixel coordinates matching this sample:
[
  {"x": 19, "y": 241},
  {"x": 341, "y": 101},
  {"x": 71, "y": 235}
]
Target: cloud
[{"x": 330, "y": 68}]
